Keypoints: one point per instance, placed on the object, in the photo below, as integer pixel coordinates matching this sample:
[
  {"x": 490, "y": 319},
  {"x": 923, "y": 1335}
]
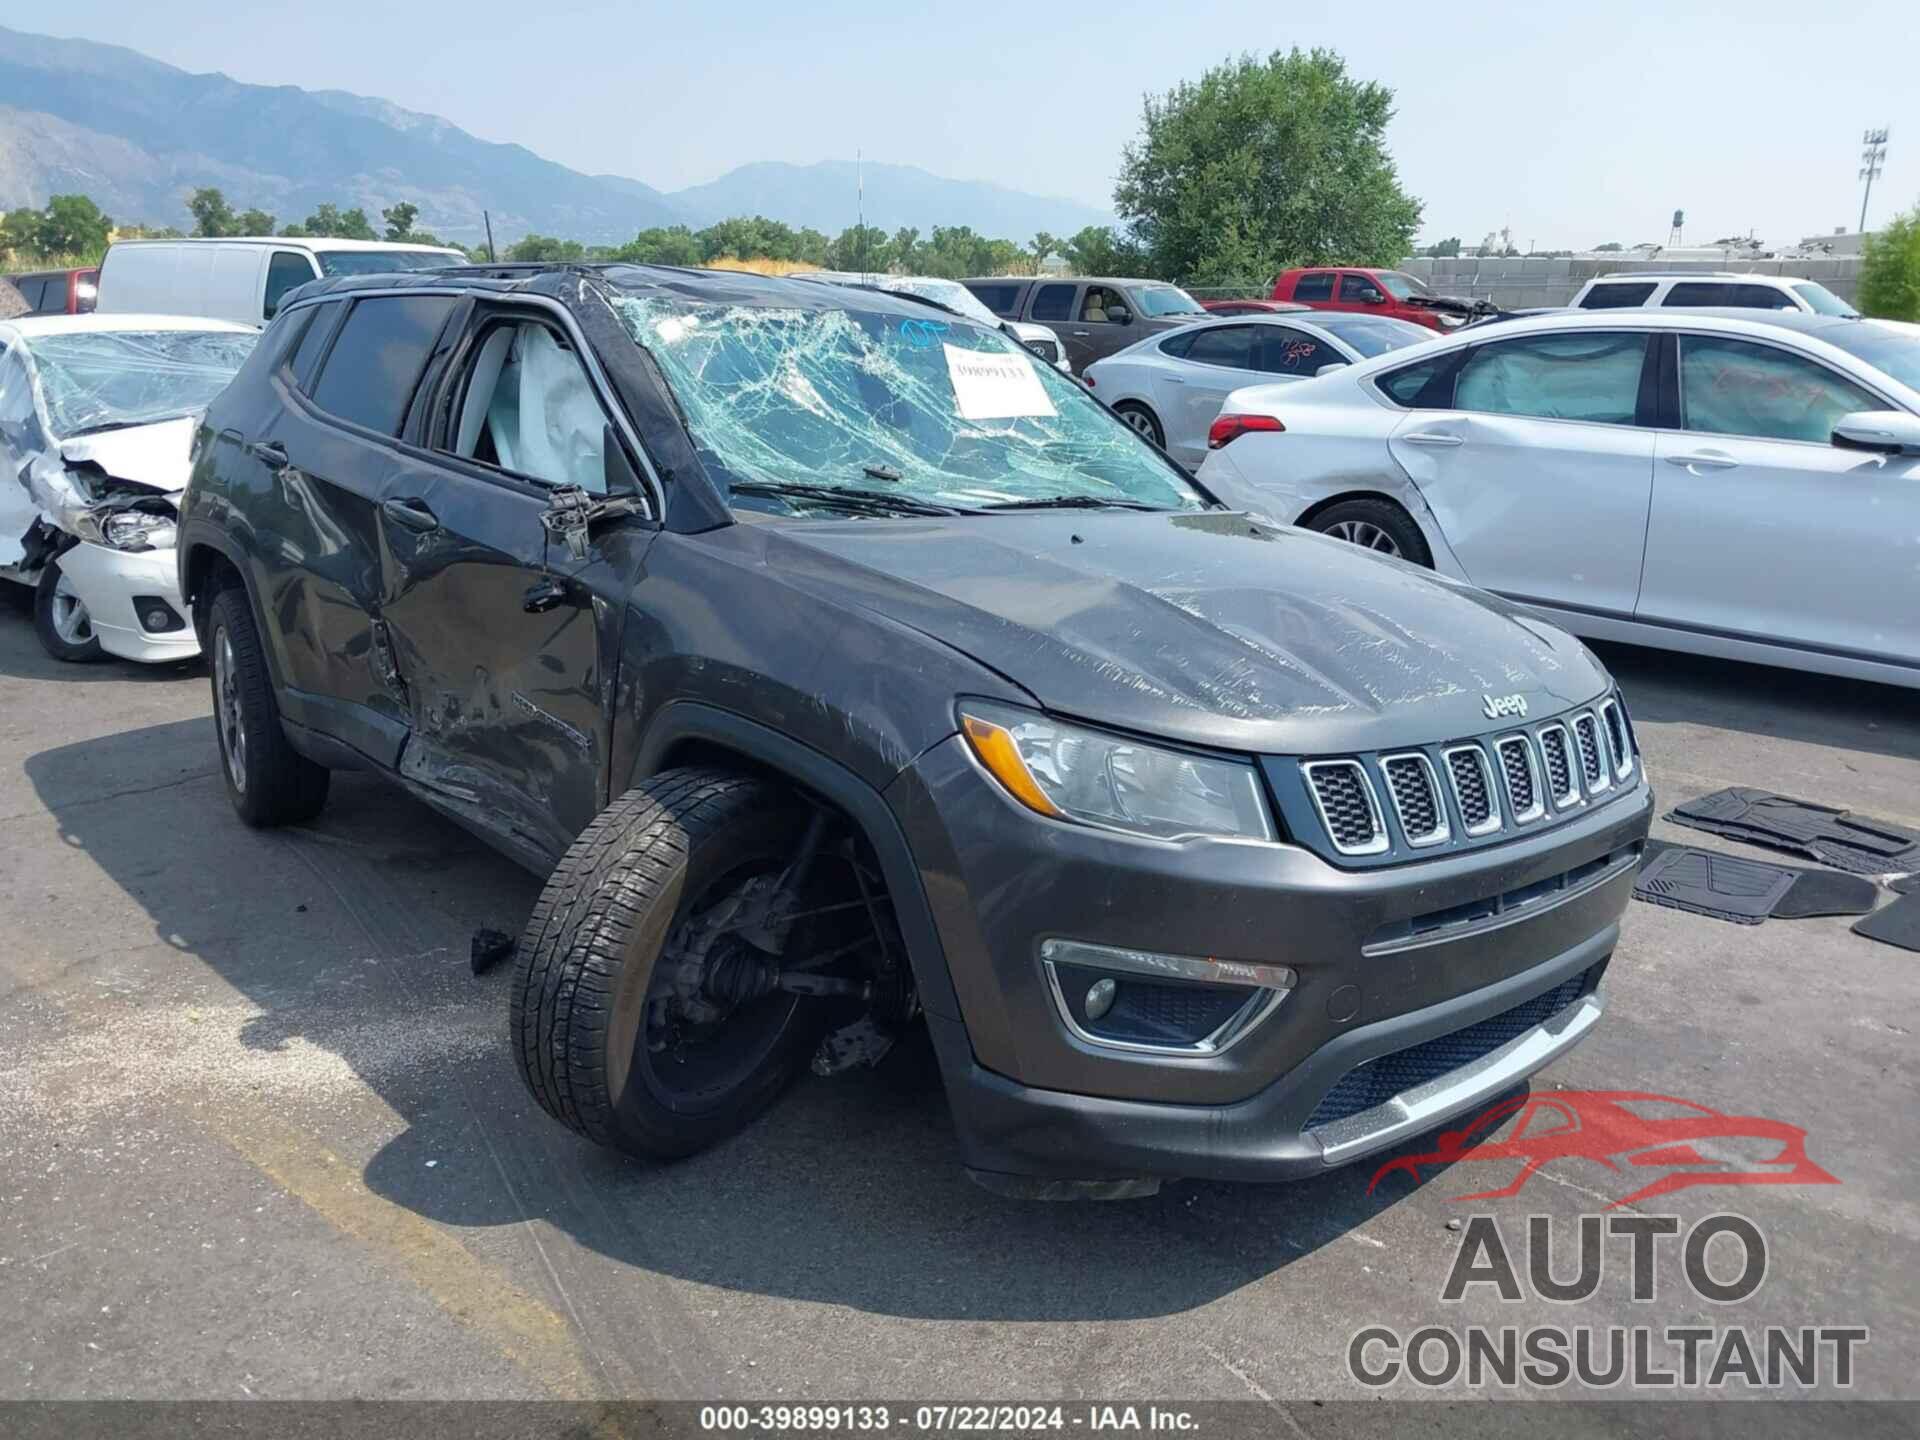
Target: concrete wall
[{"x": 1518, "y": 282}]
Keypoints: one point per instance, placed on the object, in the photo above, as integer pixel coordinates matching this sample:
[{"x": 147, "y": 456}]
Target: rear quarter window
[
  {"x": 374, "y": 365},
  {"x": 1001, "y": 299},
  {"x": 1425, "y": 386},
  {"x": 1617, "y": 297}
]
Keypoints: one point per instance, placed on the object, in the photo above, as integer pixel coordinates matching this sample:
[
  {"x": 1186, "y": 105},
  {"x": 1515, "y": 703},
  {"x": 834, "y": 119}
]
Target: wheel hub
[{"x": 1364, "y": 534}]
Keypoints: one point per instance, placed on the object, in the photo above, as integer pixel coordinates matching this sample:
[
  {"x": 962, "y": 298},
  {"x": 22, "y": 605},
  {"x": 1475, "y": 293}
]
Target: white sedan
[
  {"x": 96, "y": 418},
  {"x": 1169, "y": 386},
  {"x": 1718, "y": 482}
]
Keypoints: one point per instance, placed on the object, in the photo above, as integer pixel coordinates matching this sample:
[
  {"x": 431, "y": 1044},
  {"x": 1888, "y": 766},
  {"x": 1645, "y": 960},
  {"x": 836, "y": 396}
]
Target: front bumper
[
  {"x": 108, "y": 582},
  {"x": 1033, "y": 1098}
]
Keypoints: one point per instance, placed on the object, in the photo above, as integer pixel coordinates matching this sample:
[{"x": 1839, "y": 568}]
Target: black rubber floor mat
[
  {"x": 1825, "y": 892},
  {"x": 1839, "y": 838},
  {"x": 1896, "y": 924},
  {"x": 1708, "y": 883}
]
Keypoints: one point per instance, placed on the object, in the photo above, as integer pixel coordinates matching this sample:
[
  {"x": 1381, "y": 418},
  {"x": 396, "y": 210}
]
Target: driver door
[{"x": 505, "y": 638}]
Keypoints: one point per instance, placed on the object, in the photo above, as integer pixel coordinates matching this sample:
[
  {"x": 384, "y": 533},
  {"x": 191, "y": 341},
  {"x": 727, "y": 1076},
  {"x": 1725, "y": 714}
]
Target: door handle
[
  {"x": 1703, "y": 460},
  {"x": 1434, "y": 437},
  {"x": 545, "y": 593},
  {"x": 1173, "y": 379},
  {"x": 410, "y": 515},
  {"x": 1081, "y": 334},
  {"x": 268, "y": 452}
]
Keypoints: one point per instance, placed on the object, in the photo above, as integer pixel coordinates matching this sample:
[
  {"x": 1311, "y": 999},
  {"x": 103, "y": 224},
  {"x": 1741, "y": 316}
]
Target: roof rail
[{"x": 1670, "y": 274}]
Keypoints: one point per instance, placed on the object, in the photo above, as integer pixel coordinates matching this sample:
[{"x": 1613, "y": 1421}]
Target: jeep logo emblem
[{"x": 1500, "y": 706}]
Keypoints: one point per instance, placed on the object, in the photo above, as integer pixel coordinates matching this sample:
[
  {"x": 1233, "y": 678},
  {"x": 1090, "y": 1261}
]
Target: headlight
[
  {"x": 1069, "y": 773},
  {"x": 137, "y": 530}
]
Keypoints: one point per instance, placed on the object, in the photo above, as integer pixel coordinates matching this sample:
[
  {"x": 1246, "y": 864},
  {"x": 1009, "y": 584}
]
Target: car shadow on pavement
[
  {"x": 1667, "y": 686},
  {"x": 350, "y": 935},
  {"x": 30, "y": 662}
]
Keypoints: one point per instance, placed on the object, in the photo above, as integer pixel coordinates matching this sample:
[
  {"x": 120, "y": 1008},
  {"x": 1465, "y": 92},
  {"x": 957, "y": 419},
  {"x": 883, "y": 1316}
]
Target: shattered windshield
[
  {"x": 103, "y": 379},
  {"x": 885, "y": 409}
]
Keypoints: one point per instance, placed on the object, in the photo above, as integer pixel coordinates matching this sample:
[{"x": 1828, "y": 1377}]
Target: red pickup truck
[{"x": 1376, "y": 292}]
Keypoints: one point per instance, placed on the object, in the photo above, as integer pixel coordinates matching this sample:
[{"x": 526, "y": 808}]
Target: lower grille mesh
[{"x": 1379, "y": 1080}]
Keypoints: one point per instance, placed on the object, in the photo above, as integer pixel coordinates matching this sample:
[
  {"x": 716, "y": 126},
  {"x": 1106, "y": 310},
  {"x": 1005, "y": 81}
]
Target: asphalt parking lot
[{"x": 260, "y": 1134}]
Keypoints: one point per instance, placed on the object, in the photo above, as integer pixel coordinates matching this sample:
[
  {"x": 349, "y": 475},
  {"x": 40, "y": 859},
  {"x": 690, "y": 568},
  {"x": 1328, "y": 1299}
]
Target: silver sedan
[{"x": 1170, "y": 386}]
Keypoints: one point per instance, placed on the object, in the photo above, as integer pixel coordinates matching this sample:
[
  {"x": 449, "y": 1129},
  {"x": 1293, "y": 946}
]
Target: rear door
[
  {"x": 506, "y": 640},
  {"x": 1761, "y": 527},
  {"x": 312, "y": 485},
  {"x": 1539, "y": 474},
  {"x": 1314, "y": 288},
  {"x": 1190, "y": 390},
  {"x": 1055, "y": 304}
]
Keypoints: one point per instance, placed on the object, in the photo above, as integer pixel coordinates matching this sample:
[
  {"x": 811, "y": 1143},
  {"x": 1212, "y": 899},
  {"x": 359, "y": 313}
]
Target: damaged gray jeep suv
[{"x": 848, "y": 672}]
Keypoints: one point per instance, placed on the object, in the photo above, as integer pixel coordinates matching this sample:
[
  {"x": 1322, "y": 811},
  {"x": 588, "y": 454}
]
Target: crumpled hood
[
  {"x": 153, "y": 455},
  {"x": 1209, "y": 628}
]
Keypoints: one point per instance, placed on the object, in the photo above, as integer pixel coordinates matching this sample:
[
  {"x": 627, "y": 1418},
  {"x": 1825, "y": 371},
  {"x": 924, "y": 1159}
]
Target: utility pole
[
  {"x": 1871, "y": 158},
  {"x": 860, "y": 204}
]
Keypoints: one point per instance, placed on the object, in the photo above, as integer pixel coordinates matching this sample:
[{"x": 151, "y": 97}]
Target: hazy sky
[{"x": 1574, "y": 124}]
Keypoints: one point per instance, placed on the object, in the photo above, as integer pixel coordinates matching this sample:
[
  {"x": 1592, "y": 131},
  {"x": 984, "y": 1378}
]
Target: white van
[{"x": 242, "y": 279}]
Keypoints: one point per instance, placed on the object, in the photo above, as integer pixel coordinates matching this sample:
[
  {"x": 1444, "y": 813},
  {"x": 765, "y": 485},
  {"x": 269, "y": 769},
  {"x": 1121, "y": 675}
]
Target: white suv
[{"x": 1693, "y": 289}]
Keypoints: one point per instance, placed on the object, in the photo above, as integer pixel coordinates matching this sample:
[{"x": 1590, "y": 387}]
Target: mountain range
[{"x": 139, "y": 136}]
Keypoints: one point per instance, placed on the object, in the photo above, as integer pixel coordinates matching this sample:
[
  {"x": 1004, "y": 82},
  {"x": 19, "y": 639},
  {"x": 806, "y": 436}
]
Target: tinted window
[
  {"x": 1359, "y": 288},
  {"x": 1178, "y": 343},
  {"x": 1404, "y": 386},
  {"x": 376, "y": 362},
  {"x": 285, "y": 270},
  {"x": 1001, "y": 299},
  {"x": 312, "y": 343},
  {"x": 1555, "y": 377},
  {"x": 1229, "y": 345},
  {"x": 1759, "y": 297},
  {"x": 1054, "y": 302},
  {"x": 32, "y": 289},
  {"x": 1734, "y": 387},
  {"x": 1617, "y": 297},
  {"x": 1700, "y": 292},
  {"x": 1290, "y": 352},
  {"x": 1314, "y": 287}
]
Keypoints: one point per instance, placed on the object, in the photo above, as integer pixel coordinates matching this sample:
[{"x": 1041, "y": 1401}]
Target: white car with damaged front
[
  {"x": 1720, "y": 482},
  {"x": 97, "y": 414}
]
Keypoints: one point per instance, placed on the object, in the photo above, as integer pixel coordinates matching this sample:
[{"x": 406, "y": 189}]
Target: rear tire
[
  {"x": 586, "y": 1001},
  {"x": 61, "y": 620},
  {"x": 1377, "y": 525},
  {"x": 1142, "y": 421},
  {"x": 268, "y": 781}
]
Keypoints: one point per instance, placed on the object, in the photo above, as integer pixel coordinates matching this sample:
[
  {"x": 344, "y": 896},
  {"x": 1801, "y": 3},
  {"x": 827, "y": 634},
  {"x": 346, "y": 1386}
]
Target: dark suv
[{"x": 846, "y": 670}]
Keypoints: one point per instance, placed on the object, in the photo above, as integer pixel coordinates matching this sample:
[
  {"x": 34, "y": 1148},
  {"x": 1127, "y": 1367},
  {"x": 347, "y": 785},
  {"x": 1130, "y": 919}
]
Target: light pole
[{"x": 1871, "y": 158}]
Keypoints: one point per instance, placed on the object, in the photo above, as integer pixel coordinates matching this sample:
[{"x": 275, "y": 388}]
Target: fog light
[
  {"x": 1100, "y": 998},
  {"x": 1126, "y": 999},
  {"x": 156, "y": 616}
]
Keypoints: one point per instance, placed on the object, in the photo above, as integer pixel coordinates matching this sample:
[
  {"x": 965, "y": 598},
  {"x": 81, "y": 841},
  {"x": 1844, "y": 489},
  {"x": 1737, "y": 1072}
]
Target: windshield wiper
[
  {"x": 1071, "y": 502},
  {"x": 877, "y": 502}
]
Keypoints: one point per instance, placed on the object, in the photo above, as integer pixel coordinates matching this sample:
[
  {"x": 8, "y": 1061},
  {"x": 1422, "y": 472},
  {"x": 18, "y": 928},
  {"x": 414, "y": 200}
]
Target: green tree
[
  {"x": 1609, "y": 248},
  {"x": 73, "y": 225},
  {"x": 1264, "y": 164},
  {"x": 546, "y": 248},
  {"x": 1444, "y": 248},
  {"x": 1041, "y": 246},
  {"x": 1890, "y": 270},
  {"x": 672, "y": 245},
  {"x": 1096, "y": 250},
  {"x": 354, "y": 225},
  {"x": 399, "y": 220},
  {"x": 253, "y": 222},
  {"x": 859, "y": 247},
  {"x": 212, "y": 216},
  {"x": 903, "y": 251}
]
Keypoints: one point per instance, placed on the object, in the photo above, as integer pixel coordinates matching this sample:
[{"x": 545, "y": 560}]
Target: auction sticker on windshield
[{"x": 995, "y": 385}]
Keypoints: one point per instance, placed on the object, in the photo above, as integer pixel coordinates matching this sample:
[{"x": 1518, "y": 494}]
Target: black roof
[{"x": 561, "y": 281}]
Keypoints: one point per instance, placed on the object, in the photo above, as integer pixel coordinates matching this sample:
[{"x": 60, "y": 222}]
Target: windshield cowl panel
[{"x": 816, "y": 397}]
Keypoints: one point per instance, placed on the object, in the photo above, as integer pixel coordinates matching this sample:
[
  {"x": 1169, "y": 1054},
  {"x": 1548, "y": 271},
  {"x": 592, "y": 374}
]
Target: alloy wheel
[
  {"x": 1366, "y": 535},
  {"x": 71, "y": 622},
  {"x": 228, "y": 716}
]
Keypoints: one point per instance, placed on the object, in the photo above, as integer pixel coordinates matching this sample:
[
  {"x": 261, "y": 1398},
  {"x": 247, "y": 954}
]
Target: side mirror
[
  {"x": 1329, "y": 368},
  {"x": 1119, "y": 315},
  {"x": 1374, "y": 297},
  {"x": 1884, "y": 432}
]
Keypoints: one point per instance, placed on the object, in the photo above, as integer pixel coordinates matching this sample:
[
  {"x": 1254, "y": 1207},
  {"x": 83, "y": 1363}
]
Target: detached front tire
[
  {"x": 615, "y": 1025},
  {"x": 268, "y": 781}
]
